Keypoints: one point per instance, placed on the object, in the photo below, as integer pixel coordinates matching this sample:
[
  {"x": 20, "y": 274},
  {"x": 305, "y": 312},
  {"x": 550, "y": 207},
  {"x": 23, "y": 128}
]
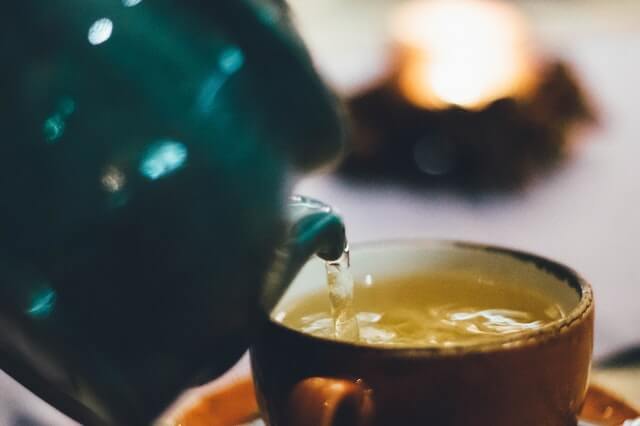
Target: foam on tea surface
[{"x": 438, "y": 309}]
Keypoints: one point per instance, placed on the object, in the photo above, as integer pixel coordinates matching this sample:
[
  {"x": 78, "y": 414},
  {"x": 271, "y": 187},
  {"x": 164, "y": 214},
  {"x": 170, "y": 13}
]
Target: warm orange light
[{"x": 464, "y": 52}]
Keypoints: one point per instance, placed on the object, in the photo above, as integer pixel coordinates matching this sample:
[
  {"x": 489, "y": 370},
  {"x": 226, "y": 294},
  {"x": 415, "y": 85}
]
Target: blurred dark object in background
[
  {"x": 500, "y": 147},
  {"x": 629, "y": 357}
]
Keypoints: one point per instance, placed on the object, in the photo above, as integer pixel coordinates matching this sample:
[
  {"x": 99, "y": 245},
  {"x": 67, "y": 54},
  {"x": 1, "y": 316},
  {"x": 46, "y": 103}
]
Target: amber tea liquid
[{"x": 424, "y": 310}]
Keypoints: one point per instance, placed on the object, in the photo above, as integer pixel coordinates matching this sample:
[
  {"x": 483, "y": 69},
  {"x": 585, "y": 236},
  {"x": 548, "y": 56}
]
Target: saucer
[
  {"x": 601, "y": 408},
  {"x": 230, "y": 400}
]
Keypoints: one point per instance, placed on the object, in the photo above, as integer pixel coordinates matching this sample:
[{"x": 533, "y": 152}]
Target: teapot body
[{"x": 148, "y": 147}]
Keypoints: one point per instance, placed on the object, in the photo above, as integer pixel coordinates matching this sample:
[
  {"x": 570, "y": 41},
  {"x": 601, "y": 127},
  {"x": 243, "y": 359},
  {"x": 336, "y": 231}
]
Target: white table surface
[{"x": 586, "y": 215}]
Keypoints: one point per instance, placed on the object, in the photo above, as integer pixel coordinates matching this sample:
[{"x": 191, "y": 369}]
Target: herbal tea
[{"x": 435, "y": 309}]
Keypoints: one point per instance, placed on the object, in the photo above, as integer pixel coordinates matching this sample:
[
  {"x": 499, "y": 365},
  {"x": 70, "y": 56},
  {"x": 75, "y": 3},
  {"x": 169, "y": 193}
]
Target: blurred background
[
  {"x": 584, "y": 211},
  {"x": 511, "y": 123}
]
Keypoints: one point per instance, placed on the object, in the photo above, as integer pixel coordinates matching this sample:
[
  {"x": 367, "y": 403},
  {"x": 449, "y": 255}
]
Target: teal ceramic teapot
[{"x": 148, "y": 147}]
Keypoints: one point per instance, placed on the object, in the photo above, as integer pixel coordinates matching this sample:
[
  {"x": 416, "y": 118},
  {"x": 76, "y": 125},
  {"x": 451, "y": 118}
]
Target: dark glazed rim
[{"x": 522, "y": 339}]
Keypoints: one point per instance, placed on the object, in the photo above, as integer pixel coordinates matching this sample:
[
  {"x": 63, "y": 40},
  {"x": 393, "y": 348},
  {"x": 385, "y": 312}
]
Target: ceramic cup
[{"x": 534, "y": 378}]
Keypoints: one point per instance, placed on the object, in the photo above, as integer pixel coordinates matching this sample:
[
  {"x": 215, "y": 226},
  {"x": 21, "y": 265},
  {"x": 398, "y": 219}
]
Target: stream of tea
[{"x": 340, "y": 285}]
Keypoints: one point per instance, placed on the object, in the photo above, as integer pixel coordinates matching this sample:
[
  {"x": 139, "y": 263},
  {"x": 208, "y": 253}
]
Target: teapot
[{"x": 149, "y": 147}]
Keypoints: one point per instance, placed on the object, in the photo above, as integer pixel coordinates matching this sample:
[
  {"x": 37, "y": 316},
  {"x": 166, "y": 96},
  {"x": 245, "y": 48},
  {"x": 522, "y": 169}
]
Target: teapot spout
[{"x": 315, "y": 229}]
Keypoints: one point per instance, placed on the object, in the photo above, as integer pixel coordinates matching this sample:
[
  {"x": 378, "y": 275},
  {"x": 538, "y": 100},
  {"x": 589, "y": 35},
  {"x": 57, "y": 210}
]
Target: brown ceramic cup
[{"x": 535, "y": 378}]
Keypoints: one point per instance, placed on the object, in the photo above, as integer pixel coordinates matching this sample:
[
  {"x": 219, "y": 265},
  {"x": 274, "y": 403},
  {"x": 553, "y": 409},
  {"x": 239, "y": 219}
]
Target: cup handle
[{"x": 322, "y": 401}]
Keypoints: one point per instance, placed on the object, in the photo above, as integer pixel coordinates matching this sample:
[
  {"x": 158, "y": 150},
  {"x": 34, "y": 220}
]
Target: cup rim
[{"x": 522, "y": 339}]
